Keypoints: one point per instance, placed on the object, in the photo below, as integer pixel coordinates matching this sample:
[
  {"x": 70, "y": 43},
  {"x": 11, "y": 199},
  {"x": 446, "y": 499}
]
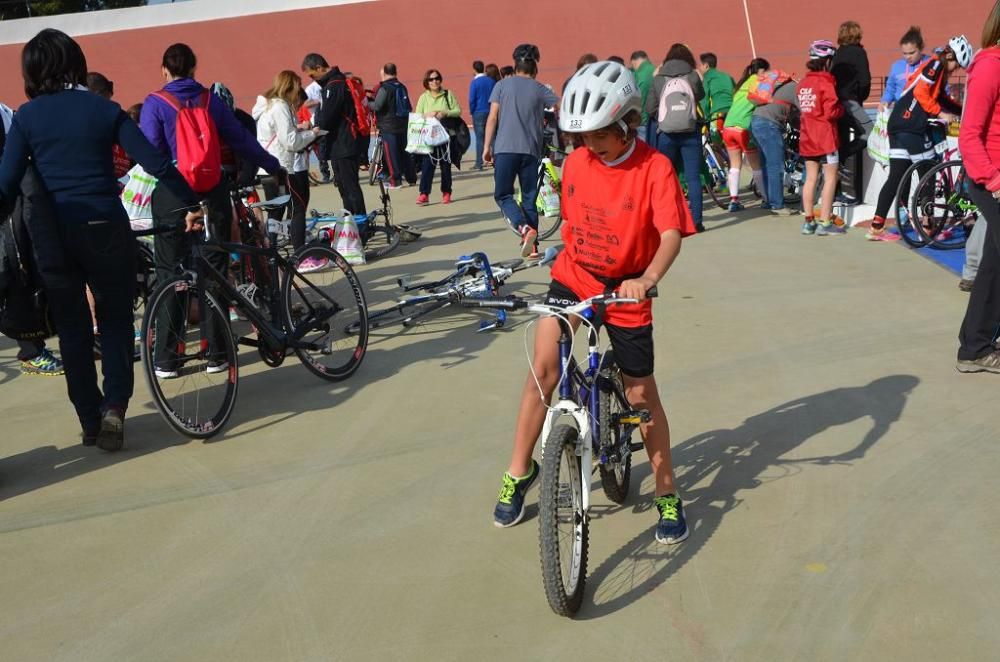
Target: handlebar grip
[
  {"x": 652, "y": 293},
  {"x": 509, "y": 304}
]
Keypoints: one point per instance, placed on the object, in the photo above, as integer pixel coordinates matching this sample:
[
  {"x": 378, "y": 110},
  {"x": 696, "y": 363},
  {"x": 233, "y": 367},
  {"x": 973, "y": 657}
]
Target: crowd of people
[{"x": 634, "y": 135}]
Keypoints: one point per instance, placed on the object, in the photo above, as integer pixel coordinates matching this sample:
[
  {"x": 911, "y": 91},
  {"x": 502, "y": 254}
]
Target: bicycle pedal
[{"x": 634, "y": 417}]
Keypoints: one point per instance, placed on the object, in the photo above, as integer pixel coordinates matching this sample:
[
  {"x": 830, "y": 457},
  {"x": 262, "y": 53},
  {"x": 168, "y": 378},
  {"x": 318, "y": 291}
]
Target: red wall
[{"x": 246, "y": 52}]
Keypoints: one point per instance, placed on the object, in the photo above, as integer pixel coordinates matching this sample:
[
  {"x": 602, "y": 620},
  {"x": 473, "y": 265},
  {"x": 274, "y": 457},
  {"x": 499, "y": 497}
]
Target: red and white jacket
[{"x": 820, "y": 109}]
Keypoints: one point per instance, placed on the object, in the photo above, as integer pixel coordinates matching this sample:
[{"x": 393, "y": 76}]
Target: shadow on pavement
[{"x": 737, "y": 460}]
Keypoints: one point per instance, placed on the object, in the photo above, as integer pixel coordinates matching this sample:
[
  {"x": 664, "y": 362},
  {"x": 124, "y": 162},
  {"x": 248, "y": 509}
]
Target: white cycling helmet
[
  {"x": 962, "y": 49},
  {"x": 597, "y": 96}
]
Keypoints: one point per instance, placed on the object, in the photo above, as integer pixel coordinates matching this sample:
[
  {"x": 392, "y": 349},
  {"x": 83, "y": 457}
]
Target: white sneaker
[
  {"x": 166, "y": 374},
  {"x": 216, "y": 368}
]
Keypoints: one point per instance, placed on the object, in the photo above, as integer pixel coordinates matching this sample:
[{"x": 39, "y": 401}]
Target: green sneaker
[
  {"x": 672, "y": 527},
  {"x": 44, "y": 364},
  {"x": 510, "y": 503}
]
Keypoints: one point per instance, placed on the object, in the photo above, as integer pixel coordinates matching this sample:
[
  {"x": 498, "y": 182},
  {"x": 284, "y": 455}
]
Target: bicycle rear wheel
[
  {"x": 943, "y": 212},
  {"x": 383, "y": 238},
  {"x": 903, "y": 203},
  {"x": 616, "y": 472},
  {"x": 319, "y": 306},
  {"x": 190, "y": 365},
  {"x": 562, "y": 522}
]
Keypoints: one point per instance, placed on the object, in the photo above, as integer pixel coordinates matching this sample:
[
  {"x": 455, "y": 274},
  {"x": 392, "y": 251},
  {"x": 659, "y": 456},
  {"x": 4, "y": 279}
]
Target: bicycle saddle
[{"x": 273, "y": 203}]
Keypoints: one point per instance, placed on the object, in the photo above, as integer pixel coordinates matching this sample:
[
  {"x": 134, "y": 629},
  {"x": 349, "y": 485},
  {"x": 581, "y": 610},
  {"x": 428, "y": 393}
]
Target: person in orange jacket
[{"x": 818, "y": 139}]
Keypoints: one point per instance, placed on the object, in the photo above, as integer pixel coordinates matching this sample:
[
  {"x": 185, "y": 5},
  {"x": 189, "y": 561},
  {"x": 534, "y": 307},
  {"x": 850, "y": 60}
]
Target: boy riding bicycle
[{"x": 625, "y": 215}]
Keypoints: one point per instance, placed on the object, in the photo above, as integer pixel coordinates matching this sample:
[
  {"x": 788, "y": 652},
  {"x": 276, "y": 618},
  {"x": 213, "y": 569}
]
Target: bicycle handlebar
[{"x": 518, "y": 303}]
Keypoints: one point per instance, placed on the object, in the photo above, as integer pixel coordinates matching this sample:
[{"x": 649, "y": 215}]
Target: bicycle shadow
[{"x": 734, "y": 461}]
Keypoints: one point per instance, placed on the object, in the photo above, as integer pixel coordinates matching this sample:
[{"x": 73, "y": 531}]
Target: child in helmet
[
  {"x": 818, "y": 141},
  {"x": 625, "y": 215},
  {"x": 911, "y": 139}
]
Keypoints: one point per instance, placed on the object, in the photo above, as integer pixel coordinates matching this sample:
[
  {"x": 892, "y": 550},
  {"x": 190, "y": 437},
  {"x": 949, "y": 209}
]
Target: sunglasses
[{"x": 434, "y": 78}]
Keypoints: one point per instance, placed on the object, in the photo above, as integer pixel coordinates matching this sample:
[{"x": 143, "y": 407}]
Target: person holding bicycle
[
  {"x": 625, "y": 215},
  {"x": 719, "y": 88},
  {"x": 912, "y": 139},
  {"x": 979, "y": 142}
]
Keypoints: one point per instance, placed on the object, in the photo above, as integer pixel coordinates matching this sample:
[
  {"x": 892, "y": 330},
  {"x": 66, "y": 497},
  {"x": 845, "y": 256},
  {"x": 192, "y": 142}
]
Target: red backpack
[
  {"x": 360, "y": 123},
  {"x": 199, "y": 150}
]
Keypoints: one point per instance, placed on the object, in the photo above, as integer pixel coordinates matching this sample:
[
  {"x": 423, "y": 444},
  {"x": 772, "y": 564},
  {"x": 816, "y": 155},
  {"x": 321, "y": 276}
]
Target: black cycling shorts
[{"x": 633, "y": 346}]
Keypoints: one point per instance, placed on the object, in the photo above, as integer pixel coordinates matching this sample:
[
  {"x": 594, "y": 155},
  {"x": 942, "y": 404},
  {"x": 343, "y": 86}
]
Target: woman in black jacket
[
  {"x": 854, "y": 84},
  {"x": 66, "y": 133}
]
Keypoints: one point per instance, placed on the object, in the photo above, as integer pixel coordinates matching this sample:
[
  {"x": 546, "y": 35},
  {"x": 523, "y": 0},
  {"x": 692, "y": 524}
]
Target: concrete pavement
[{"x": 838, "y": 476}]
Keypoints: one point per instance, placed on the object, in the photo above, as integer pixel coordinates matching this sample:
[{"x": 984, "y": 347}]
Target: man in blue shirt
[{"x": 479, "y": 105}]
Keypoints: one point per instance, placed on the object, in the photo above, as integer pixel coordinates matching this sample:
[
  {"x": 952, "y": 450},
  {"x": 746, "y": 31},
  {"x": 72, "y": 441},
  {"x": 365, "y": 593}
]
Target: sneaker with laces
[
  {"x": 529, "y": 237},
  {"x": 672, "y": 527},
  {"x": 809, "y": 227},
  {"x": 988, "y": 363},
  {"x": 446, "y": 198},
  {"x": 165, "y": 373},
  {"x": 735, "y": 205},
  {"x": 45, "y": 364},
  {"x": 825, "y": 228},
  {"x": 510, "y": 502},
  {"x": 215, "y": 367},
  {"x": 112, "y": 435},
  {"x": 965, "y": 284},
  {"x": 880, "y": 234},
  {"x": 311, "y": 264},
  {"x": 423, "y": 199}
]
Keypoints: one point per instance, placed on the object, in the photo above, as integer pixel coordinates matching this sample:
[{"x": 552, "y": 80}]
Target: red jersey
[
  {"x": 613, "y": 219},
  {"x": 817, "y": 96}
]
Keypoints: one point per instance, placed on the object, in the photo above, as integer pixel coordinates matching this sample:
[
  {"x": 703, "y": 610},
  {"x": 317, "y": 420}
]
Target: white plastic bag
[
  {"x": 138, "y": 193},
  {"x": 414, "y": 135},
  {"x": 347, "y": 240},
  {"x": 878, "y": 141},
  {"x": 548, "y": 201},
  {"x": 434, "y": 133}
]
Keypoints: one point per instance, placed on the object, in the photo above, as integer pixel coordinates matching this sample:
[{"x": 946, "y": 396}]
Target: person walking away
[
  {"x": 439, "y": 103},
  {"x": 643, "y": 70},
  {"x": 34, "y": 357},
  {"x": 479, "y": 105},
  {"x": 677, "y": 89},
  {"x": 768, "y": 128},
  {"x": 159, "y": 122},
  {"x": 818, "y": 141},
  {"x": 338, "y": 114},
  {"x": 979, "y": 142},
  {"x": 912, "y": 137},
  {"x": 911, "y": 45},
  {"x": 279, "y": 134},
  {"x": 517, "y": 110},
  {"x": 854, "y": 82},
  {"x": 66, "y": 134},
  {"x": 719, "y": 88},
  {"x": 625, "y": 190},
  {"x": 392, "y": 109},
  {"x": 739, "y": 141}
]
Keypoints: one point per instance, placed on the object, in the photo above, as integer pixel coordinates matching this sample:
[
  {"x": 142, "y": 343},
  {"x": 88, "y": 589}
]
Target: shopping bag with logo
[
  {"x": 138, "y": 193},
  {"x": 878, "y": 141},
  {"x": 347, "y": 240},
  {"x": 414, "y": 135},
  {"x": 548, "y": 201},
  {"x": 434, "y": 133}
]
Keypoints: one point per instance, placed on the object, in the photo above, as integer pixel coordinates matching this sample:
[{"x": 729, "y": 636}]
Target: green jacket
[
  {"x": 718, "y": 93},
  {"x": 445, "y": 103},
  {"x": 644, "y": 79}
]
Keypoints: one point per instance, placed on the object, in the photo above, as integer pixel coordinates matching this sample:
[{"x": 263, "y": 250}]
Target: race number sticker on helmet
[{"x": 597, "y": 96}]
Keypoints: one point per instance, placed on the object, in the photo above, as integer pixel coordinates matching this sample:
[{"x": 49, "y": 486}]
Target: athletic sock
[{"x": 734, "y": 183}]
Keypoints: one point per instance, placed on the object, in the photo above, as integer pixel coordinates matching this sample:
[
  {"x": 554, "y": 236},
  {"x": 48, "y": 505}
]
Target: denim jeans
[
  {"x": 684, "y": 151},
  {"x": 771, "y": 142},
  {"x": 479, "y": 126},
  {"x": 523, "y": 167}
]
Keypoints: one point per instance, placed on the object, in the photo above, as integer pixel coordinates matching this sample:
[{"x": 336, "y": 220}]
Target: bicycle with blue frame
[{"x": 591, "y": 424}]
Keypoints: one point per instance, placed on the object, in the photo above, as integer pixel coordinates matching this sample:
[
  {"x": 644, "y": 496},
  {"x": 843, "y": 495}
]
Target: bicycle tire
[
  {"x": 717, "y": 178},
  {"x": 615, "y": 476},
  {"x": 377, "y": 164},
  {"x": 183, "y": 409},
  {"x": 563, "y": 591},
  {"x": 335, "y": 288},
  {"x": 384, "y": 239},
  {"x": 932, "y": 235},
  {"x": 901, "y": 201}
]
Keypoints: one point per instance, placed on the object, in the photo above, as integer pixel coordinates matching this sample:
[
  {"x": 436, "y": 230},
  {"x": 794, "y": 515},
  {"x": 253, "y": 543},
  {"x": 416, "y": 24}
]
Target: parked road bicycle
[
  {"x": 591, "y": 424},
  {"x": 189, "y": 353},
  {"x": 474, "y": 276}
]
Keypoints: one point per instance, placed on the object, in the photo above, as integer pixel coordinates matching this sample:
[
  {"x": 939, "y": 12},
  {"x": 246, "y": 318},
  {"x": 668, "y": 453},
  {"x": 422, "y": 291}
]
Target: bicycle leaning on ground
[
  {"x": 189, "y": 353},
  {"x": 379, "y": 235},
  {"x": 592, "y": 422}
]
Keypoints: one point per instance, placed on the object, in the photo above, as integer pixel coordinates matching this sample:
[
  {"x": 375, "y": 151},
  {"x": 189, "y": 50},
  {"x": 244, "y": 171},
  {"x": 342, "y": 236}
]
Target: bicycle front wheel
[
  {"x": 319, "y": 306},
  {"x": 903, "y": 203},
  {"x": 943, "y": 212},
  {"x": 190, "y": 363},
  {"x": 562, "y": 522}
]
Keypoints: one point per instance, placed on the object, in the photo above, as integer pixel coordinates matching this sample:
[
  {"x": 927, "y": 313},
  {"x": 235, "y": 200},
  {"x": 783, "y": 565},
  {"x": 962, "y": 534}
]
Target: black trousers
[
  {"x": 345, "y": 172},
  {"x": 171, "y": 250},
  {"x": 982, "y": 317},
  {"x": 398, "y": 163},
  {"x": 100, "y": 254},
  {"x": 887, "y": 196},
  {"x": 298, "y": 184}
]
